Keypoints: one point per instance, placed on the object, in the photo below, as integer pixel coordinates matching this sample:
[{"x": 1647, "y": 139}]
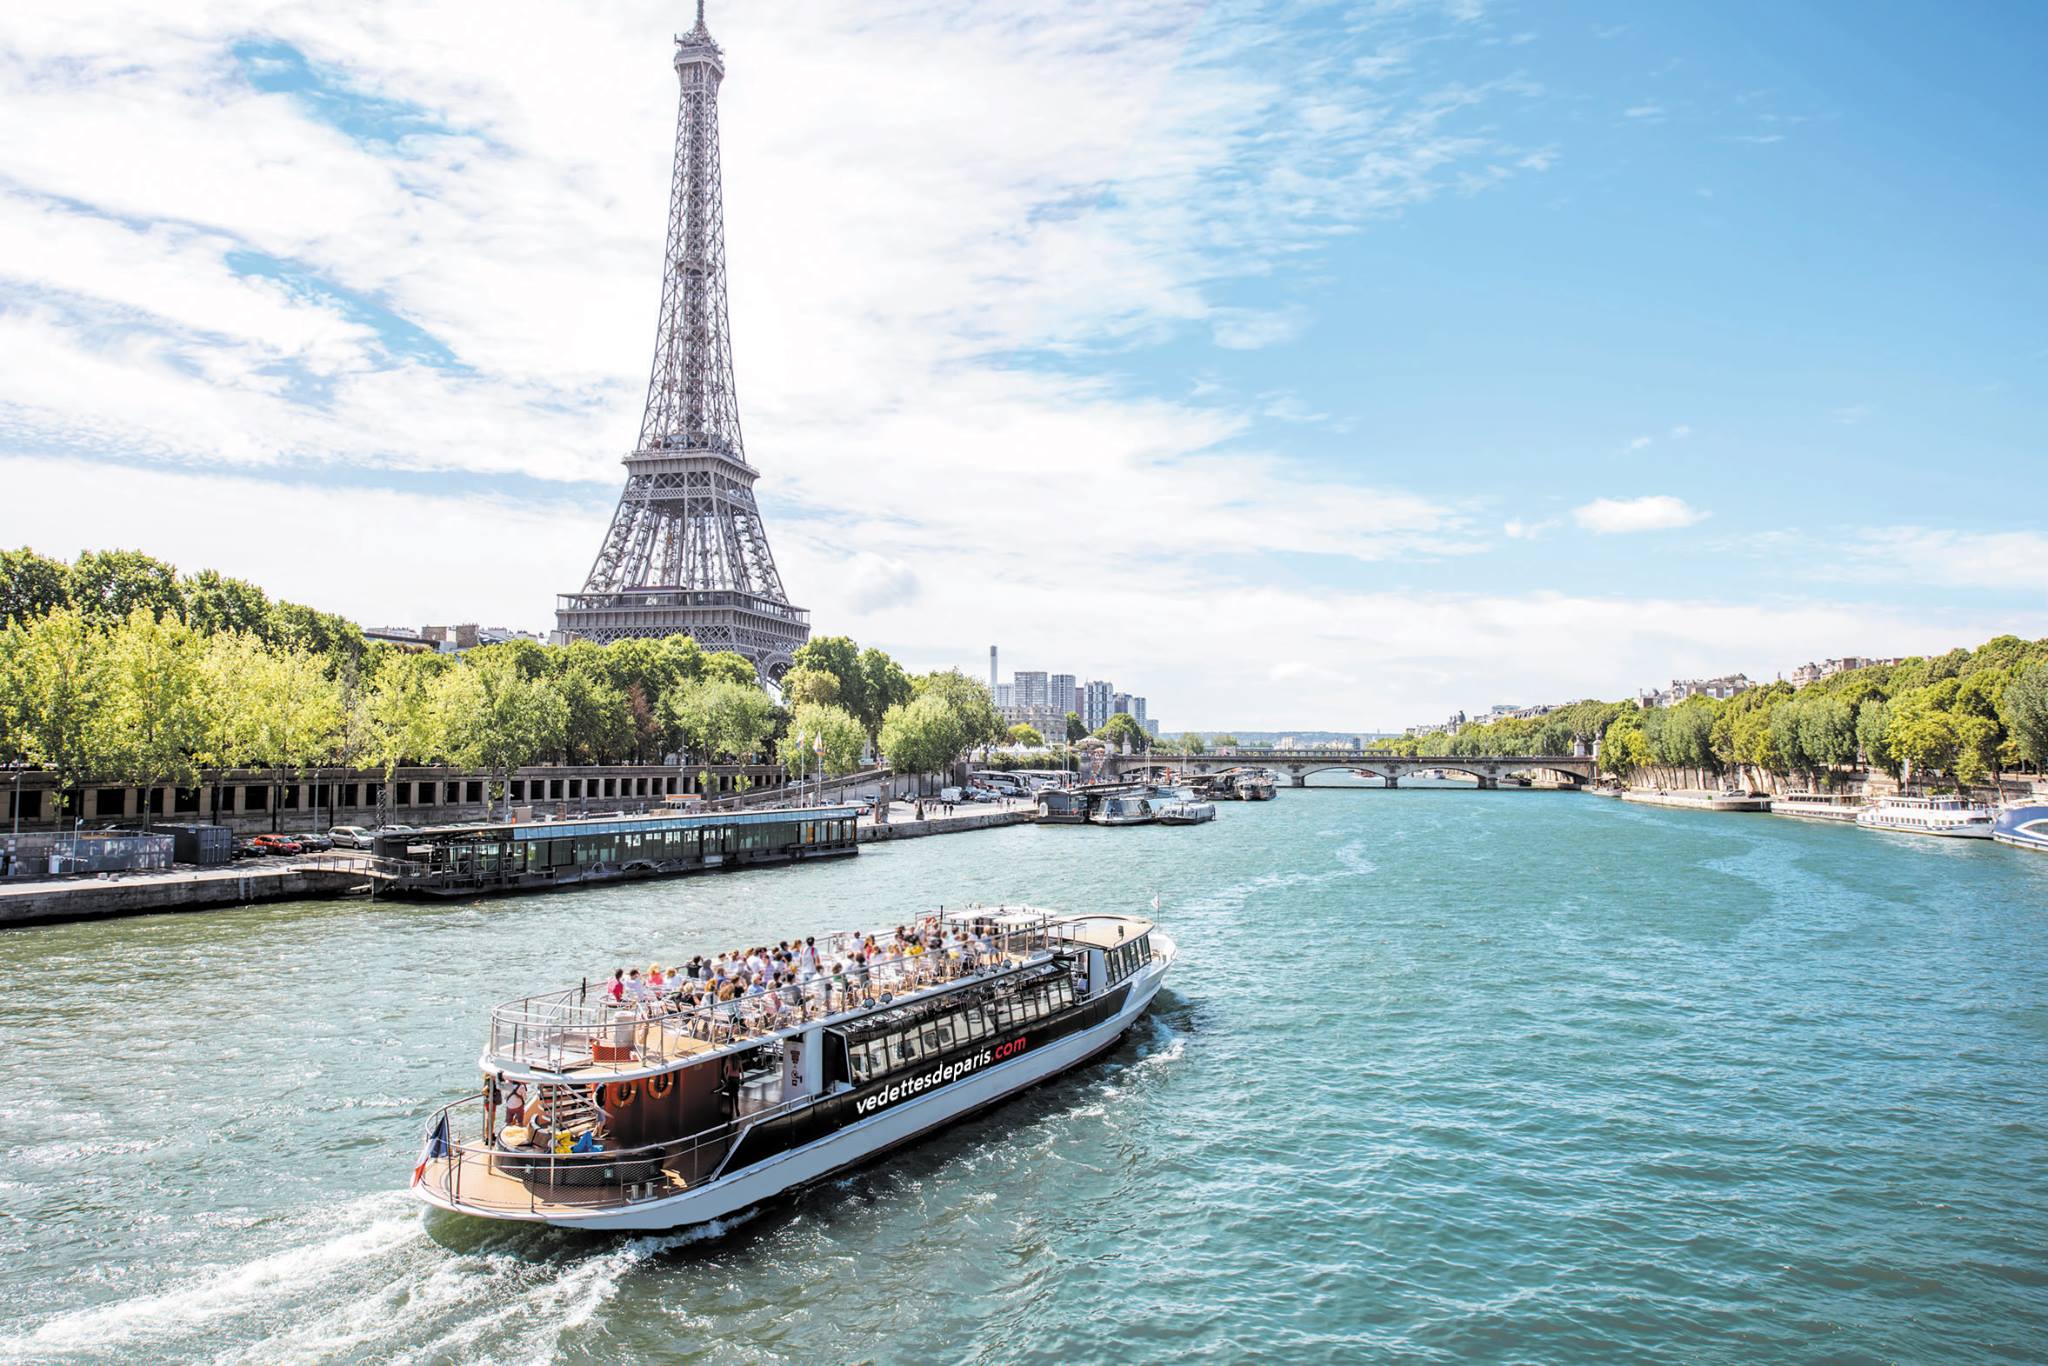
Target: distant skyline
[{"x": 1319, "y": 366}]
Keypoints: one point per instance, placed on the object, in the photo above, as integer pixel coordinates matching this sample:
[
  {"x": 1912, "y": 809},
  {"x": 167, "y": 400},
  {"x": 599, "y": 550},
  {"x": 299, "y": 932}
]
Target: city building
[
  {"x": 1029, "y": 688},
  {"x": 1062, "y": 692},
  {"x": 447, "y": 640},
  {"x": 1096, "y": 695},
  {"x": 1721, "y": 688},
  {"x": 1006, "y": 694},
  {"x": 1828, "y": 668}
]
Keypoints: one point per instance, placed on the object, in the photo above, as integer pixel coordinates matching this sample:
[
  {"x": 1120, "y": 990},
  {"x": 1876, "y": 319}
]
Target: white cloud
[
  {"x": 1652, "y": 512},
  {"x": 1652, "y": 113},
  {"x": 1640, "y": 443},
  {"x": 1516, "y": 529},
  {"x": 2002, "y": 561},
  {"x": 1251, "y": 329},
  {"x": 1680, "y": 432}
]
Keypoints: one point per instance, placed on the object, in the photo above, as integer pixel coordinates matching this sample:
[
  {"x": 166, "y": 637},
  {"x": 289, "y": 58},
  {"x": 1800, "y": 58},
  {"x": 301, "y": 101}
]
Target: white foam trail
[{"x": 234, "y": 1290}]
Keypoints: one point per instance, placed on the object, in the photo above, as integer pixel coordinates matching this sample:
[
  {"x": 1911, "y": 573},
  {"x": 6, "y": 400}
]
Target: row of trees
[
  {"x": 152, "y": 701},
  {"x": 1962, "y": 717}
]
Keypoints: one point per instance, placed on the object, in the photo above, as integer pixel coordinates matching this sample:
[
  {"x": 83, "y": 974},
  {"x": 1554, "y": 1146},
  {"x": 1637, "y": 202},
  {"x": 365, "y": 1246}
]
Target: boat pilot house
[{"x": 462, "y": 860}]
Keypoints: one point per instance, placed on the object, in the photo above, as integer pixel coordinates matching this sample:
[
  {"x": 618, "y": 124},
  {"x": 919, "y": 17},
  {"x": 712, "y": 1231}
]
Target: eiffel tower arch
[{"x": 686, "y": 553}]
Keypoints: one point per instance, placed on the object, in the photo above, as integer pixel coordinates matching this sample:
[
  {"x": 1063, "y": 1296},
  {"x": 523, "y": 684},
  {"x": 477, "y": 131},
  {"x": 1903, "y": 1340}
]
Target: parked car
[
  {"x": 383, "y": 830},
  {"x": 277, "y": 846},
  {"x": 314, "y": 844},
  {"x": 247, "y": 849},
  {"x": 350, "y": 837}
]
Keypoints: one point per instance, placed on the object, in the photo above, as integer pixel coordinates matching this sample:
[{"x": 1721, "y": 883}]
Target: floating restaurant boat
[
  {"x": 1843, "y": 807},
  {"x": 2022, "y": 824},
  {"x": 1186, "y": 812},
  {"x": 509, "y": 856},
  {"x": 1123, "y": 810},
  {"x": 1954, "y": 817},
  {"x": 662, "y": 1116}
]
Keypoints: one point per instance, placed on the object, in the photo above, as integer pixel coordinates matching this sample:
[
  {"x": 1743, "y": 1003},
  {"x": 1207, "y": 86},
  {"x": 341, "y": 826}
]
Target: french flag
[{"x": 435, "y": 1146}]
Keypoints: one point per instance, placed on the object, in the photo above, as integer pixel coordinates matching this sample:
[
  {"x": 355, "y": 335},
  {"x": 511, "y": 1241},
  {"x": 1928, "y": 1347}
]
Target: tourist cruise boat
[
  {"x": 1185, "y": 812},
  {"x": 1125, "y": 810},
  {"x": 1819, "y": 806},
  {"x": 1951, "y": 816},
  {"x": 664, "y": 1116},
  {"x": 2022, "y": 824}
]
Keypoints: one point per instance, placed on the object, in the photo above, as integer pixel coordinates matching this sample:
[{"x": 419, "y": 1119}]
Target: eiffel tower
[{"x": 686, "y": 554}]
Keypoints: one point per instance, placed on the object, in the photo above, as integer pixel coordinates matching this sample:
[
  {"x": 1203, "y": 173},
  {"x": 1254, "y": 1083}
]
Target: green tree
[
  {"x": 820, "y": 730},
  {"x": 31, "y": 585},
  {"x": 1027, "y": 736},
  {"x": 215, "y": 603},
  {"x": 1873, "y": 736},
  {"x": 293, "y": 716},
  {"x": 1076, "y": 728},
  {"x": 721, "y": 717},
  {"x": 53, "y": 692},
  {"x": 1827, "y": 732},
  {"x": 808, "y": 687},
  {"x": 883, "y": 685},
  {"x": 970, "y": 701},
  {"x": 1625, "y": 747},
  {"x": 839, "y": 658},
  {"x": 725, "y": 666},
  {"x": 923, "y": 735},
  {"x": 1922, "y": 729},
  {"x": 1122, "y": 729},
  {"x": 151, "y": 715},
  {"x": 294, "y": 626},
  {"x": 107, "y": 585},
  {"x": 405, "y": 720},
  {"x": 1224, "y": 741},
  {"x": 599, "y": 728},
  {"x": 495, "y": 717},
  {"x": 2023, "y": 707}
]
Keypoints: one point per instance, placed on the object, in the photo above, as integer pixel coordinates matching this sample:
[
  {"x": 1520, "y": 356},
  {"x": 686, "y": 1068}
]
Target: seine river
[{"x": 1447, "y": 1076}]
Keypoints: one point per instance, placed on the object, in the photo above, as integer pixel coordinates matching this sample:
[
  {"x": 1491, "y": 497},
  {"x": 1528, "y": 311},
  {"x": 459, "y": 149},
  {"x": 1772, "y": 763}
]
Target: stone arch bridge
[{"x": 1570, "y": 771}]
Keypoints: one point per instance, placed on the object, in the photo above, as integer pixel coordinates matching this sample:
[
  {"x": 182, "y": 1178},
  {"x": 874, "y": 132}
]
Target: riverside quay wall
[{"x": 254, "y": 800}]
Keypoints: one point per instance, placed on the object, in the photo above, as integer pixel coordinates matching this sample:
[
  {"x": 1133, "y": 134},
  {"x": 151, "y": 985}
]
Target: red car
[{"x": 276, "y": 845}]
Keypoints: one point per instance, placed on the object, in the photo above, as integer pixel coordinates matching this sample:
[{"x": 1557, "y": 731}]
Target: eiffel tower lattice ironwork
[{"x": 686, "y": 553}]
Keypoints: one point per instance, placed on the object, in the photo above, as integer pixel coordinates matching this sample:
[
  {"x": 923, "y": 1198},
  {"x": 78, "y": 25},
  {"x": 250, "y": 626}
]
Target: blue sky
[{"x": 1422, "y": 355}]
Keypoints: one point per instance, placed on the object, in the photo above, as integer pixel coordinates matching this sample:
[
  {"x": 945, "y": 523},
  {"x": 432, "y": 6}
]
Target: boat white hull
[
  {"x": 1966, "y": 832},
  {"x": 862, "y": 1140}
]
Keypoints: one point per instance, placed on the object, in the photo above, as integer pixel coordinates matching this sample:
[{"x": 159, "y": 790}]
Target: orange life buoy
[
  {"x": 657, "y": 1087},
  {"x": 621, "y": 1094}
]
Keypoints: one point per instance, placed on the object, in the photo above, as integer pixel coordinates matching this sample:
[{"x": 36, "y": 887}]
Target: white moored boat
[
  {"x": 675, "y": 1112},
  {"x": 1819, "y": 806},
  {"x": 1951, "y": 816},
  {"x": 1127, "y": 810},
  {"x": 1185, "y": 812}
]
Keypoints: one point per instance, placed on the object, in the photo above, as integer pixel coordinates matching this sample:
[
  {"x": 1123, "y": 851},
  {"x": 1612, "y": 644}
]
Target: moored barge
[
  {"x": 514, "y": 856},
  {"x": 666, "y": 1113}
]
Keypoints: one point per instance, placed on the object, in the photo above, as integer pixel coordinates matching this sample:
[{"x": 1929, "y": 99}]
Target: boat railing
[
  {"x": 560, "y": 1030},
  {"x": 476, "y": 1172}
]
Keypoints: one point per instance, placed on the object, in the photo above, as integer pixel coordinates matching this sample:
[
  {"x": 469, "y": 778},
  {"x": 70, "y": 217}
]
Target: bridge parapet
[{"x": 1573, "y": 770}]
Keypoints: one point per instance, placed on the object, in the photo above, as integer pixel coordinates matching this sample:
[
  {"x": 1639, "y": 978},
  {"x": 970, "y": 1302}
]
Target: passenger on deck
[{"x": 615, "y": 990}]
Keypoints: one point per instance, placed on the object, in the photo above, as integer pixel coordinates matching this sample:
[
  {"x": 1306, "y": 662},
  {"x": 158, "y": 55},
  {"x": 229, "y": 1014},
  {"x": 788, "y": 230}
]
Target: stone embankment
[
  {"x": 1694, "y": 799},
  {"x": 186, "y": 889},
  {"x": 903, "y": 824}
]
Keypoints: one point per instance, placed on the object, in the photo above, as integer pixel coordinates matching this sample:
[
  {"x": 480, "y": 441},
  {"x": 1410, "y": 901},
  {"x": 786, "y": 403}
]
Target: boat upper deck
[{"x": 582, "y": 1035}]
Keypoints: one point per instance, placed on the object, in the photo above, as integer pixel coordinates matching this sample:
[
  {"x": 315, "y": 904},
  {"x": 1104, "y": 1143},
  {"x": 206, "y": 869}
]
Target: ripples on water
[{"x": 1451, "y": 1076}]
